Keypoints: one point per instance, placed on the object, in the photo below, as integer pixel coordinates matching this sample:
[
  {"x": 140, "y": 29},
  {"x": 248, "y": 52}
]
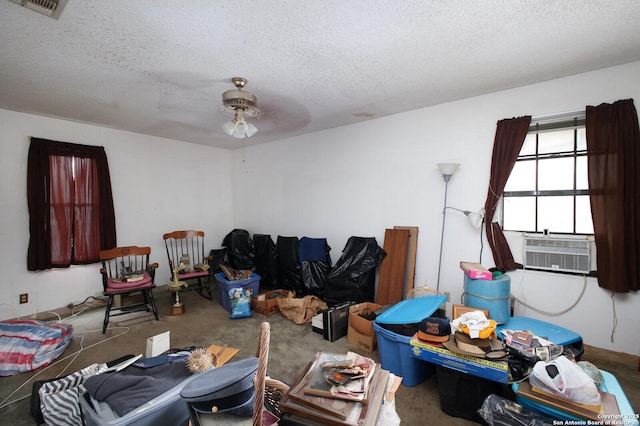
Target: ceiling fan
[{"x": 243, "y": 104}]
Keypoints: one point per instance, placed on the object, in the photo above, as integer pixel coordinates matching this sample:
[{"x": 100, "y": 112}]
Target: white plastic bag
[{"x": 570, "y": 382}]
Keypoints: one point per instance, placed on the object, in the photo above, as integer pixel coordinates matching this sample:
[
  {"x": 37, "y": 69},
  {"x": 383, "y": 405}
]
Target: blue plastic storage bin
[
  {"x": 551, "y": 332},
  {"x": 411, "y": 311},
  {"x": 224, "y": 285},
  {"x": 394, "y": 348},
  {"x": 611, "y": 385},
  {"x": 168, "y": 408},
  {"x": 395, "y": 356}
]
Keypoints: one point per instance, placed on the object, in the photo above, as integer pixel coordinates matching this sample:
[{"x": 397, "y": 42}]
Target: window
[
  {"x": 548, "y": 187},
  {"x": 71, "y": 214}
]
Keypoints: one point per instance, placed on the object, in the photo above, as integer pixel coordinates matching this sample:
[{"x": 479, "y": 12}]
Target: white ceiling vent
[{"x": 51, "y": 8}]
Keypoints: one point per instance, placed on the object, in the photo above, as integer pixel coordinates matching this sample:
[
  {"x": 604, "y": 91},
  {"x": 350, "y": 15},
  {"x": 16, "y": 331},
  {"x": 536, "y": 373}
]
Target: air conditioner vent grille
[{"x": 557, "y": 254}]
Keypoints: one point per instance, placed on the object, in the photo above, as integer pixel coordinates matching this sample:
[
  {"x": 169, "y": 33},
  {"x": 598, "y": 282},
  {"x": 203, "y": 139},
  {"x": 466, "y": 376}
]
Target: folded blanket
[
  {"x": 26, "y": 345},
  {"x": 128, "y": 389}
]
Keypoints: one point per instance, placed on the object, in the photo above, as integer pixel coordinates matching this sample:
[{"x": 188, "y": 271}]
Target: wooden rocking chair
[{"x": 185, "y": 251}]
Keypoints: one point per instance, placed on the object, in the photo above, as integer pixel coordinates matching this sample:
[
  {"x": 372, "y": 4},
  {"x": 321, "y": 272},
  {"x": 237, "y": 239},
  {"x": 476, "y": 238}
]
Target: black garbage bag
[
  {"x": 499, "y": 411},
  {"x": 289, "y": 269},
  {"x": 240, "y": 249},
  {"x": 217, "y": 257},
  {"x": 315, "y": 264},
  {"x": 352, "y": 278},
  {"x": 266, "y": 263}
]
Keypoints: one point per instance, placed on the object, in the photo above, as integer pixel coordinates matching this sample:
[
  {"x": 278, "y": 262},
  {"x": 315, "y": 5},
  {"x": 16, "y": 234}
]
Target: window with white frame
[{"x": 548, "y": 191}]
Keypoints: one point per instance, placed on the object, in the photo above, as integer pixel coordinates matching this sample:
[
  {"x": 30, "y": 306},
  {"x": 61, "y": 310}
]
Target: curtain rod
[{"x": 559, "y": 116}]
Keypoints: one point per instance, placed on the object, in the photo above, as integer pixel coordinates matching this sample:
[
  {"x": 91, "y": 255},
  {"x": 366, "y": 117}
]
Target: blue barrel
[{"x": 493, "y": 295}]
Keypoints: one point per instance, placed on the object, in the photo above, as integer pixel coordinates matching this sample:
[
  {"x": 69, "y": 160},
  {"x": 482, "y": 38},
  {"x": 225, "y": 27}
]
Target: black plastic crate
[{"x": 462, "y": 394}]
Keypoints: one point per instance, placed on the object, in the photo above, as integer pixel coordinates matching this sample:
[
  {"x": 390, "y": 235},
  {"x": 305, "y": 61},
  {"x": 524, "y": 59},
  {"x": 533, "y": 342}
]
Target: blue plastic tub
[
  {"x": 611, "y": 385},
  {"x": 394, "y": 348},
  {"x": 250, "y": 286},
  {"x": 395, "y": 356},
  {"x": 410, "y": 311},
  {"x": 551, "y": 332}
]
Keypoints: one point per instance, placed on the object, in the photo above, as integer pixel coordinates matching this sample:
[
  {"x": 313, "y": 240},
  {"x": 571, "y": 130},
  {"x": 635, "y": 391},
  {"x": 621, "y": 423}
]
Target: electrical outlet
[
  {"x": 24, "y": 298},
  {"x": 446, "y": 293}
]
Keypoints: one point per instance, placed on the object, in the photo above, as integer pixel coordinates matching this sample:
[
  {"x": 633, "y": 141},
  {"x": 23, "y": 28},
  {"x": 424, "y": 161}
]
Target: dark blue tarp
[{"x": 315, "y": 264}]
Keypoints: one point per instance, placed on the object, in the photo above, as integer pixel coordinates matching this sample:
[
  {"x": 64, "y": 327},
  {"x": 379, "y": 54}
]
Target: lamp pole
[
  {"x": 446, "y": 178},
  {"x": 447, "y": 170}
]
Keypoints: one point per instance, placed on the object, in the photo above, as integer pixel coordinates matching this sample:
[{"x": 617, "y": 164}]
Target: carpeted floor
[{"x": 206, "y": 322}]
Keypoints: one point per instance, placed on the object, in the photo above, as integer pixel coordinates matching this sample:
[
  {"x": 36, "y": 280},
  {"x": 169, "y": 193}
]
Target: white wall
[
  {"x": 355, "y": 180},
  {"x": 159, "y": 185},
  {"x": 363, "y": 178}
]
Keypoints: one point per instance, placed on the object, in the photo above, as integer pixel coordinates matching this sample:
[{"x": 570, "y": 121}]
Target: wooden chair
[
  {"x": 126, "y": 271},
  {"x": 185, "y": 251}
]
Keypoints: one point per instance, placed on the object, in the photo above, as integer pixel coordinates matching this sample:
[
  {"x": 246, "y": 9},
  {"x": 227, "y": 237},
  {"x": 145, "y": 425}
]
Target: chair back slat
[
  {"x": 122, "y": 261},
  {"x": 184, "y": 243},
  {"x": 189, "y": 243}
]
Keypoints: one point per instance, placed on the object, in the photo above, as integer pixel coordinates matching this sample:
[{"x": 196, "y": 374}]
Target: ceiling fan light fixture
[
  {"x": 239, "y": 127},
  {"x": 236, "y": 99},
  {"x": 242, "y": 104},
  {"x": 229, "y": 127},
  {"x": 251, "y": 130}
]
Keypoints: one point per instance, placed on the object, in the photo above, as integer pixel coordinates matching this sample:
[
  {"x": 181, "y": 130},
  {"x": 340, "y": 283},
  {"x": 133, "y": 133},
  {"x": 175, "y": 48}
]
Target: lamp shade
[
  {"x": 229, "y": 127},
  {"x": 251, "y": 130},
  {"x": 239, "y": 127},
  {"x": 448, "y": 169},
  {"x": 476, "y": 219}
]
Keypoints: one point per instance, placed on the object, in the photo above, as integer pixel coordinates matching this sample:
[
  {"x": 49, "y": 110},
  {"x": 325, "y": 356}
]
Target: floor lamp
[
  {"x": 475, "y": 218},
  {"x": 447, "y": 170}
]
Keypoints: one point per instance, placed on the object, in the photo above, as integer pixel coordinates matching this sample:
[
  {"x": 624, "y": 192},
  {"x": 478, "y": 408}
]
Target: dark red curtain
[
  {"x": 64, "y": 208},
  {"x": 61, "y": 209},
  {"x": 613, "y": 155},
  {"x": 510, "y": 135},
  {"x": 86, "y": 214}
]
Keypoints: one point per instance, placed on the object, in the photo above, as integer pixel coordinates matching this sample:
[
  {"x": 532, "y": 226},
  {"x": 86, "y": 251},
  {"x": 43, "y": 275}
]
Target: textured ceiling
[{"x": 159, "y": 67}]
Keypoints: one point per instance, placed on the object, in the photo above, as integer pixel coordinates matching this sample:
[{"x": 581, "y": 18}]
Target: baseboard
[
  {"x": 60, "y": 313},
  {"x": 613, "y": 356}
]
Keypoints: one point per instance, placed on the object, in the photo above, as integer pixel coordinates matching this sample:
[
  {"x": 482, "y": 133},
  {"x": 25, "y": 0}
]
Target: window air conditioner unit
[{"x": 557, "y": 253}]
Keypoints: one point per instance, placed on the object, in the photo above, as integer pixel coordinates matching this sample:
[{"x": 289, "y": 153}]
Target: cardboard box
[
  {"x": 360, "y": 332},
  {"x": 365, "y": 342},
  {"x": 476, "y": 271},
  {"x": 267, "y": 303}
]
